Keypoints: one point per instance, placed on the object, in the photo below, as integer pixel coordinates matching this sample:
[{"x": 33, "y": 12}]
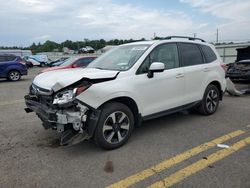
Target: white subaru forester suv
[{"x": 127, "y": 85}]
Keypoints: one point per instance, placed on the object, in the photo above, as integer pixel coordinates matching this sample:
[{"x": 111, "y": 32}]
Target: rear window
[
  {"x": 191, "y": 54},
  {"x": 208, "y": 53}
]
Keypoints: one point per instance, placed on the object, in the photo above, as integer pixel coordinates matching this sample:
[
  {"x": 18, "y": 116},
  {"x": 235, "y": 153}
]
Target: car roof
[{"x": 151, "y": 42}]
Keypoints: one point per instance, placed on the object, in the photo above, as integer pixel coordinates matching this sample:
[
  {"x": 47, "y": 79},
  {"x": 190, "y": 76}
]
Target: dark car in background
[
  {"x": 12, "y": 67},
  {"x": 72, "y": 62},
  {"x": 239, "y": 70}
]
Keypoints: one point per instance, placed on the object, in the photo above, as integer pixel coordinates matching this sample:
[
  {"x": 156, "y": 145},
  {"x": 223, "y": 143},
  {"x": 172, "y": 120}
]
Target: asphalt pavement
[{"x": 179, "y": 150}]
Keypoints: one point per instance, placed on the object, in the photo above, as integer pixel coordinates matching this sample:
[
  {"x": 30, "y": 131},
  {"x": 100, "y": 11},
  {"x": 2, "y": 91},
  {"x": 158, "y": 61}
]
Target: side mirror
[{"x": 155, "y": 67}]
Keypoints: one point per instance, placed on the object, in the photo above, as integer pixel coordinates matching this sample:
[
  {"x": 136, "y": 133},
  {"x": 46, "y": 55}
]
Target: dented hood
[{"x": 56, "y": 80}]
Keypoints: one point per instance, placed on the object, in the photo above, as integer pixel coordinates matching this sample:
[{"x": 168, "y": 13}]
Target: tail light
[
  {"x": 22, "y": 62},
  {"x": 224, "y": 66}
]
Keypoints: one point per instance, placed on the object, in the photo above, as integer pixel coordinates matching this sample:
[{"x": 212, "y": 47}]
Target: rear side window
[
  {"x": 191, "y": 54},
  {"x": 208, "y": 53},
  {"x": 10, "y": 58}
]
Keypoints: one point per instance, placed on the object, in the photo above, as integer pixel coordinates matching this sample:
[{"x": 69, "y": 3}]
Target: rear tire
[
  {"x": 210, "y": 101},
  {"x": 115, "y": 126},
  {"x": 14, "y": 75}
]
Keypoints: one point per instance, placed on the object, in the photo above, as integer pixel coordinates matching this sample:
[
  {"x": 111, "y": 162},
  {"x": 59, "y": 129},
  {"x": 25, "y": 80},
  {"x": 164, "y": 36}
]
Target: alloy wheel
[
  {"x": 14, "y": 75},
  {"x": 116, "y": 127},
  {"x": 212, "y": 100}
]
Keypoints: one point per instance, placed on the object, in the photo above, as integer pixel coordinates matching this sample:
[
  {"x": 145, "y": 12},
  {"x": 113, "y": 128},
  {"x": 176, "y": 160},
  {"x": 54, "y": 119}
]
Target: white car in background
[
  {"x": 37, "y": 60},
  {"x": 127, "y": 85}
]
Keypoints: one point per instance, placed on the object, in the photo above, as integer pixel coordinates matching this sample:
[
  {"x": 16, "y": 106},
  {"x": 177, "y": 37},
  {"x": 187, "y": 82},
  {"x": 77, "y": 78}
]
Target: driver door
[{"x": 166, "y": 89}]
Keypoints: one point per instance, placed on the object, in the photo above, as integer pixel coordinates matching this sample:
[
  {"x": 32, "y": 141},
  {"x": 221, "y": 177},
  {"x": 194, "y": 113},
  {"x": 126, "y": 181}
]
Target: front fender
[{"x": 98, "y": 94}]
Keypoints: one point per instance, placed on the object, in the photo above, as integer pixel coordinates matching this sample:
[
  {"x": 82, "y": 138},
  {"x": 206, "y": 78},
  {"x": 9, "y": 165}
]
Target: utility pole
[
  {"x": 154, "y": 35},
  {"x": 195, "y": 35},
  {"x": 217, "y": 35}
]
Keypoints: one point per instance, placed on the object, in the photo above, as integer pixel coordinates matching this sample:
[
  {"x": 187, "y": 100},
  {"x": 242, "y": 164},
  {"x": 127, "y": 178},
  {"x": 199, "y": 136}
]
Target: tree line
[{"x": 50, "y": 46}]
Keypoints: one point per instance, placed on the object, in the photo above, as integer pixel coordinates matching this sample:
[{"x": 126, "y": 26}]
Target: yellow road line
[
  {"x": 201, "y": 164},
  {"x": 174, "y": 160},
  {"x": 11, "y": 102}
]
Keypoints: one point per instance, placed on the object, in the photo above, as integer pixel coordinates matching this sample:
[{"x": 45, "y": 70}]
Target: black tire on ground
[
  {"x": 210, "y": 101},
  {"x": 42, "y": 64},
  {"x": 115, "y": 126},
  {"x": 14, "y": 75}
]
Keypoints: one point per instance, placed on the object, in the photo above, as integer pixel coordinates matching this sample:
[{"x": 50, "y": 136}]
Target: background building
[{"x": 228, "y": 52}]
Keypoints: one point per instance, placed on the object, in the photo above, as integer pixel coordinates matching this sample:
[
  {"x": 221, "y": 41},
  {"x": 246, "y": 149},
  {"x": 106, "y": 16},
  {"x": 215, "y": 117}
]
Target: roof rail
[{"x": 183, "y": 37}]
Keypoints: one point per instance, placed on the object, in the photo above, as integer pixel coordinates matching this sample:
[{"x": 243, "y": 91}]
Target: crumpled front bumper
[
  {"x": 74, "y": 125},
  {"x": 47, "y": 115}
]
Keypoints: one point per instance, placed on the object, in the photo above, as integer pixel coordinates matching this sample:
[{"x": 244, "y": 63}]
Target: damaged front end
[{"x": 61, "y": 111}]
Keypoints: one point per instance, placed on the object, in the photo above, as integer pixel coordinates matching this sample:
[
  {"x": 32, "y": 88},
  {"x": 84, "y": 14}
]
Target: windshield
[
  {"x": 69, "y": 61},
  {"x": 120, "y": 58}
]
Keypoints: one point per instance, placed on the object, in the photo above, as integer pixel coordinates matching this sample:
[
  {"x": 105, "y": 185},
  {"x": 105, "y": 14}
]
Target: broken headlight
[{"x": 67, "y": 96}]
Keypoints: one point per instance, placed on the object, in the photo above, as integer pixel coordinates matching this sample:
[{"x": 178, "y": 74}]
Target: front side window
[
  {"x": 191, "y": 54},
  {"x": 166, "y": 53},
  {"x": 120, "y": 58}
]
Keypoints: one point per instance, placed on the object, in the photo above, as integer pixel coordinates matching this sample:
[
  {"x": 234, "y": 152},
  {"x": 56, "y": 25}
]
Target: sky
[{"x": 23, "y": 22}]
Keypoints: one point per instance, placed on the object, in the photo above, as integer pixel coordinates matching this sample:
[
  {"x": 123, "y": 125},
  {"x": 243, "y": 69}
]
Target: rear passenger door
[{"x": 194, "y": 71}]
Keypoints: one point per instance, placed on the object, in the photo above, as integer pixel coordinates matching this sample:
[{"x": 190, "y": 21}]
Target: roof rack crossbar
[{"x": 183, "y": 37}]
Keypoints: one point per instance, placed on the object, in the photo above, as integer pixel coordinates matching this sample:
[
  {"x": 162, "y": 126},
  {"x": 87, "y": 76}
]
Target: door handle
[
  {"x": 206, "y": 69},
  {"x": 180, "y": 75}
]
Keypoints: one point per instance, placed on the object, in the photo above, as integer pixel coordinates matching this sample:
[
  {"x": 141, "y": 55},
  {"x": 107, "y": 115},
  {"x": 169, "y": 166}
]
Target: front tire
[
  {"x": 115, "y": 126},
  {"x": 14, "y": 75},
  {"x": 210, "y": 101}
]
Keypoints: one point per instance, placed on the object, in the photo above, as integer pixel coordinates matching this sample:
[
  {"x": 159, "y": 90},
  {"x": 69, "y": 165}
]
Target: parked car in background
[
  {"x": 73, "y": 62},
  {"x": 12, "y": 67},
  {"x": 62, "y": 59},
  {"x": 37, "y": 60},
  {"x": 87, "y": 49},
  {"x": 239, "y": 70}
]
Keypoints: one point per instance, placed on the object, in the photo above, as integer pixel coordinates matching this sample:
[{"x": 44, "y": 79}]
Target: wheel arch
[
  {"x": 218, "y": 85},
  {"x": 129, "y": 102}
]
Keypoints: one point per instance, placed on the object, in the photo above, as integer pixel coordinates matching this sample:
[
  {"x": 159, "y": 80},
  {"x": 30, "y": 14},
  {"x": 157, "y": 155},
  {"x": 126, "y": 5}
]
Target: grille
[{"x": 35, "y": 90}]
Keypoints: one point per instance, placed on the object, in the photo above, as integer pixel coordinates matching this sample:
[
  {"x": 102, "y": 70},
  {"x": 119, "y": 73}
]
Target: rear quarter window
[{"x": 208, "y": 53}]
